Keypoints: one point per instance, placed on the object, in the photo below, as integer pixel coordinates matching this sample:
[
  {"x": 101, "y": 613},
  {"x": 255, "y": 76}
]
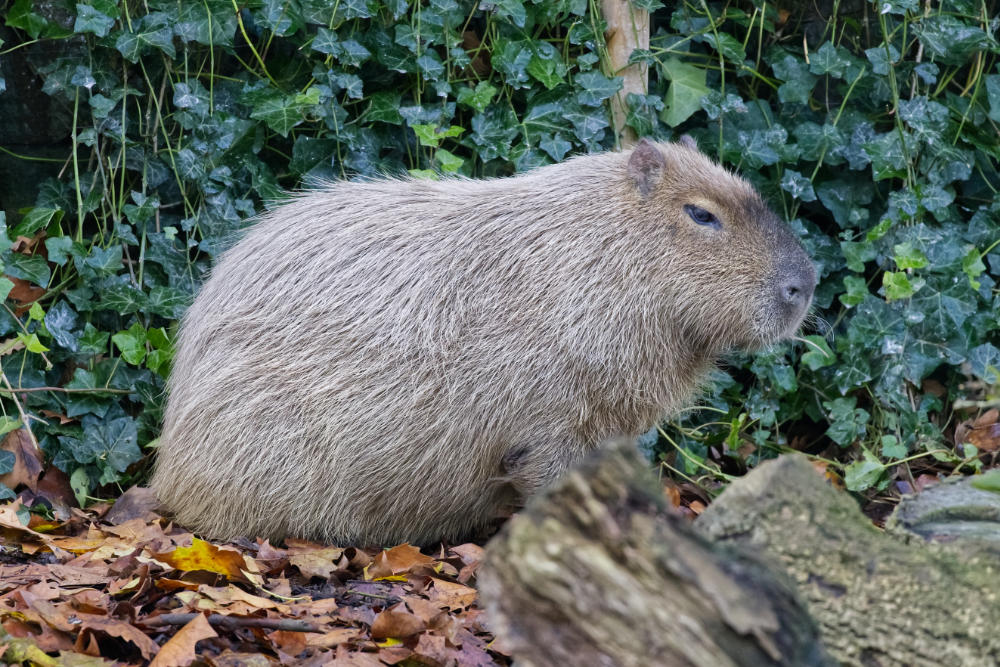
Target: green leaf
[
  {"x": 20, "y": 15},
  {"x": 280, "y": 112},
  {"x": 476, "y": 98},
  {"x": 847, "y": 422},
  {"x": 93, "y": 341},
  {"x": 727, "y": 45},
  {"x": 993, "y": 95},
  {"x": 90, "y": 20},
  {"x": 31, "y": 343},
  {"x": 907, "y": 256},
  {"x": 857, "y": 290},
  {"x": 973, "y": 267},
  {"x": 58, "y": 248},
  {"x": 7, "y": 461},
  {"x": 132, "y": 344},
  {"x": 36, "y": 219},
  {"x": 818, "y": 353},
  {"x": 62, "y": 321},
  {"x": 950, "y": 40},
  {"x": 79, "y": 481},
  {"x": 8, "y": 424},
  {"x": 797, "y": 185},
  {"x": 798, "y": 82},
  {"x": 687, "y": 87},
  {"x": 548, "y": 70},
  {"x": 450, "y": 163},
  {"x": 113, "y": 443},
  {"x": 892, "y": 448},
  {"x": 897, "y": 286},
  {"x": 6, "y": 285},
  {"x": 34, "y": 269},
  {"x": 594, "y": 88},
  {"x": 862, "y": 475}
]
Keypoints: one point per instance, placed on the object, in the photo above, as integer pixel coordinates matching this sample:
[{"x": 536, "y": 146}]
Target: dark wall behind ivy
[{"x": 139, "y": 137}]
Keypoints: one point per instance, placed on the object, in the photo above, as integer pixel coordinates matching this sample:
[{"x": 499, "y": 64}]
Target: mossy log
[
  {"x": 598, "y": 571},
  {"x": 880, "y": 598},
  {"x": 782, "y": 569}
]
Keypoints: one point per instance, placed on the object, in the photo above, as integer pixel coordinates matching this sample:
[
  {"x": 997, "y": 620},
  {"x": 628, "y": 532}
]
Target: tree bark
[
  {"x": 628, "y": 29},
  {"x": 598, "y": 571}
]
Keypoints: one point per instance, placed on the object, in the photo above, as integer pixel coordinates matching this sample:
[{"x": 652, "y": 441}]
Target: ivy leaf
[
  {"x": 595, "y": 88},
  {"x": 898, "y": 286},
  {"x": 798, "y": 82},
  {"x": 797, "y": 185},
  {"x": 93, "y": 341},
  {"x": 109, "y": 444},
  {"x": 20, "y": 15},
  {"x": 90, "y": 20},
  {"x": 907, "y": 256},
  {"x": 818, "y": 353},
  {"x": 992, "y": 82},
  {"x": 34, "y": 269},
  {"x": 61, "y": 321},
  {"x": 476, "y": 98},
  {"x": 132, "y": 344},
  {"x": 865, "y": 474},
  {"x": 687, "y": 87},
  {"x": 36, "y": 219},
  {"x": 280, "y": 112}
]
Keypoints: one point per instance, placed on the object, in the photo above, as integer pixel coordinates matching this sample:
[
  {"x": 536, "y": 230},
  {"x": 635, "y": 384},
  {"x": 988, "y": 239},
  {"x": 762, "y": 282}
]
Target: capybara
[{"x": 398, "y": 360}]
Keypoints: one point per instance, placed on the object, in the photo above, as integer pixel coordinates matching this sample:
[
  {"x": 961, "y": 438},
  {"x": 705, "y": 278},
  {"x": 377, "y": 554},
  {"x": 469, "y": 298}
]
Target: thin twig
[
  {"x": 72, "y": 390},
  {"x": 234, "y": 622}
]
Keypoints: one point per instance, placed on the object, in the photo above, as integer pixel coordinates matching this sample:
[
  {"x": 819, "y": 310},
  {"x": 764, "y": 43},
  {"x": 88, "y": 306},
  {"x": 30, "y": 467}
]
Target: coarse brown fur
[{"x": 391, "y": 360}]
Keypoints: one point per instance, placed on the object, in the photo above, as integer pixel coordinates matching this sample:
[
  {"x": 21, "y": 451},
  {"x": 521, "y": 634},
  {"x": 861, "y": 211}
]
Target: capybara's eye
[{"x": 701, "y": 216}]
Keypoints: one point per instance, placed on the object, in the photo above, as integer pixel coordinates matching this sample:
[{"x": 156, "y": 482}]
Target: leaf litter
[{"x": 121, "y": 585}]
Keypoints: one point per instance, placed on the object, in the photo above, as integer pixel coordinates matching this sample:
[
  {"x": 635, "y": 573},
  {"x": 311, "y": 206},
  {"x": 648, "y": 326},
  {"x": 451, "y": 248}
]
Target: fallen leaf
[
  {"x": 332, "y": 638},
  {"x": 321, "y": 563},
  {"x": 398, "y": 560},
  {"x": 451, "y": 595},
  {"x": 288, "y": 642},
  {"x": 179, "y": 651},
  {"x": 115, "y": 628},
  {"x": 27, "y": 460},
  {"x": 397, "y": 622},
  {"x": 138, "y": 502},
  {"x": 24, "y": 293},
  {"x": 207, "y": 557}
]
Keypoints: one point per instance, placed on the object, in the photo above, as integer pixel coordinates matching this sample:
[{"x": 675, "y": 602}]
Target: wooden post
[{"x": 628, "y": 29}]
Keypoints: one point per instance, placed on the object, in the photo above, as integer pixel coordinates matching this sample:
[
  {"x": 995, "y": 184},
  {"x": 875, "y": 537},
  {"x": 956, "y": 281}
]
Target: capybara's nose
[{"x": 796, "y": 289}]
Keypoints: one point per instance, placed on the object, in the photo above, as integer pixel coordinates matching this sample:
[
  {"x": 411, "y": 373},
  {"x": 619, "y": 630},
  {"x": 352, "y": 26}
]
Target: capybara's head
[{"x": 737, "y": 274}]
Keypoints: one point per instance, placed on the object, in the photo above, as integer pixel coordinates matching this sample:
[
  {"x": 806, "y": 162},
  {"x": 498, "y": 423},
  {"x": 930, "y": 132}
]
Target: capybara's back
[{"x": 397, "y": 360}]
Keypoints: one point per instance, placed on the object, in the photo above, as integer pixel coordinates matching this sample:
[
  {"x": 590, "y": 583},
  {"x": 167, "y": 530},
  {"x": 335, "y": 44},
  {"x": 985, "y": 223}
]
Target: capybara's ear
[
  {"x": 688, "y": 140},
  {"x": 646, "y": 166}
]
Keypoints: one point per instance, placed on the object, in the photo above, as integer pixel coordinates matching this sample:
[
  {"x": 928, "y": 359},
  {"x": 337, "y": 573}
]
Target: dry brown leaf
[
  {"x": 24, "y": 293},
  {"x": 398, "y": 560},
  {"x": 321, "y": 563},
  {"x": 451, "y": 595},
  {"x": 397, "y": 622},
  {"x": 179, "y": 651},
  {"x": 332, "y": 638},
  {"x": 138, "y": 502},
  {"x": 239, "y": 602},
  {"x": 27, "y": 460},
  {"x": 987, "y": 418},
  {"x": 115, "y": 628},
  {"x": 288, "y": 642}
]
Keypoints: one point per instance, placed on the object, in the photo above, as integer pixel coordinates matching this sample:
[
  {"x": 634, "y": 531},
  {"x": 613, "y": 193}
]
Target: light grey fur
[{"x": 396, "y": 360}]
